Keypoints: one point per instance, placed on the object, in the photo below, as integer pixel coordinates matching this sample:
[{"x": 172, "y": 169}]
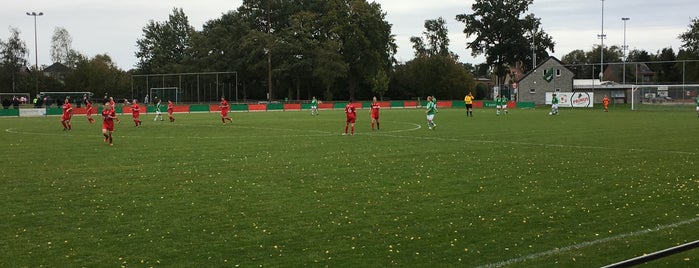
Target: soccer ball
[{"x": 550, "y": 113}]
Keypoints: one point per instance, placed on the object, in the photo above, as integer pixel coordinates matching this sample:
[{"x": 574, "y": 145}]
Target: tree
[
  {"x": 99, "y": 75},
  {"x": 502, "y": 35},
  {"x": 576, "y": 61},
  {"x": 440, "y": 76},
  {"x": 380, "y": 84},
  {"x": 367, "y": 44},
  {"x": 585, "y": 64},
  {"x": 667, "y": 68},
  {"x": 14, "y": 54},
  {"x": 690, "y": 38},
  {"x": 61, "y": 43},
  {"x": 165, "y": 46},
  {"x": 437, "y": 37}
]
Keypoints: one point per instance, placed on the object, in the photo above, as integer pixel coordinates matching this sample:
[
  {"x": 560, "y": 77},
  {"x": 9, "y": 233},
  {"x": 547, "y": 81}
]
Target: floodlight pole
[
  {"x": 624, "y": 48},
  {"x": 36, "y": 51},
  {"x": 601, "y": 48}
]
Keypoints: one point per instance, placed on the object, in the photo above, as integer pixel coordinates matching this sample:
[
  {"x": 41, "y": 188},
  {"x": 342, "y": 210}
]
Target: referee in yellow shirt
[{"x": 469, "y": 104}]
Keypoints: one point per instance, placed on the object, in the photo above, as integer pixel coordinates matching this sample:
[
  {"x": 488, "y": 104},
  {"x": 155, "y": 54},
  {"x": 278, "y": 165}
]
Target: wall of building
[{"x": 533, "y": 87}]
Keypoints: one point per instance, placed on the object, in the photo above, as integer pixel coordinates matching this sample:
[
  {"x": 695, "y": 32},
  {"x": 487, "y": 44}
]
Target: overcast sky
[{"x": 112, "y": 27}]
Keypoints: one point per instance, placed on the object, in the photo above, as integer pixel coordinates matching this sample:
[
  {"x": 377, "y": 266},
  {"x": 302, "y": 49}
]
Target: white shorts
[
  {"x": 502, "y": 106},
  {"x": 697, "y": 109},
  {"x": 314, "y": 107},
  {"x": 554, "y": 106},
  {"x": 157, "y": 112},
  {"x": 430, "y": 117}
]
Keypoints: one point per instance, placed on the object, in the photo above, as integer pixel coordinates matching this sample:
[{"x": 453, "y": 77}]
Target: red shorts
[
  {"x": 65, "y": 117},
  {"x": 375, "y": 116},
  {"x": 135, "y": 115},
  {"x": 108, "y": 125},
  {"x": 169, "y": 112},
  {"x": 351, "y": 119},
  {"x": 224, "y": 113}
]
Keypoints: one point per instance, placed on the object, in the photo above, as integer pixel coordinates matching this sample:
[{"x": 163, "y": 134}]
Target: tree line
[{"x": 334, "y": 50}]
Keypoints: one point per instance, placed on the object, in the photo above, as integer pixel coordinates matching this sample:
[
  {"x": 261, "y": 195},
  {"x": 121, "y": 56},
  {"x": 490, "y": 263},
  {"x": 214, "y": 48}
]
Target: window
[
  {"x": 558, "y": 72},
  {"x": 558, "y": 90},
  {"x": 532, "y": 90}
]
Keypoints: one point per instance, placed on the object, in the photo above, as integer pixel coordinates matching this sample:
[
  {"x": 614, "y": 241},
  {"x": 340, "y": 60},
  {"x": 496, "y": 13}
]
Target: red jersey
[
  {"x": 135, "y": 109},
  {"x": 225, "y": 106},
  {"x": 108, "y": 116},
  {"x": 88, "y": 109},
  {"x": 375, "y": 109},
  {"x": 350, "y": 110},
  {"x": 170, "y": 107},
  {"x": 67, "y": 111},
  {"x": 605, "y": 100}
]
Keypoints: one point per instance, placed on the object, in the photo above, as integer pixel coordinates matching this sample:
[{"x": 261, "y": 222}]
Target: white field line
[
  {"x": 313, "y": 133},
  {"x": 587, "y": 244}
]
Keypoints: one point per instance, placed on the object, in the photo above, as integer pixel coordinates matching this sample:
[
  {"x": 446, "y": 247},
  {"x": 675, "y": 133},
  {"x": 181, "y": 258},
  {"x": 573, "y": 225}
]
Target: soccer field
[{"x": 582, "y": 189}]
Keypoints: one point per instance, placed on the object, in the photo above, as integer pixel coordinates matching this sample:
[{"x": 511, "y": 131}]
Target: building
[
  {"x": 549, "y": 76},
  {"x": 57, "y": 71}
]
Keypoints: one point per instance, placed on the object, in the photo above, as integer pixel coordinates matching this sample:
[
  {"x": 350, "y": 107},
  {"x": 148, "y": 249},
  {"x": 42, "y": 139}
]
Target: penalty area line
[{"x": 587, "y": 244}]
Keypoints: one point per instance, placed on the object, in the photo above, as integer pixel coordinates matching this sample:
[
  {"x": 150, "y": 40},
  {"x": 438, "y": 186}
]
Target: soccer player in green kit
[
  {"x": 157, "y": 110},
  {"x": 554, "y": 105},
  {"x": 314, "y": 106},
  {"x": 697, "y": 106},
  {"x": 501, "y": 104},
  {"x": 430, "y": 110}
]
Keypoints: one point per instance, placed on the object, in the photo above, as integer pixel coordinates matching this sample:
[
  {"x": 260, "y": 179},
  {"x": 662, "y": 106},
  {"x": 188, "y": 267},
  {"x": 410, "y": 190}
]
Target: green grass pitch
[{"x": 582, "y": 189}]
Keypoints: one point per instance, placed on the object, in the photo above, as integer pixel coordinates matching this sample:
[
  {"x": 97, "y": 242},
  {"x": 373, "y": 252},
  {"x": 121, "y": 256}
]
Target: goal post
[{"x": 196, "y": 87}]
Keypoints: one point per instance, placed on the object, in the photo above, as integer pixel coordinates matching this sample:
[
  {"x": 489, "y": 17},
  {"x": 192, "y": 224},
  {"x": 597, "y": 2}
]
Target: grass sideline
[{"x": 286, "y": 189}]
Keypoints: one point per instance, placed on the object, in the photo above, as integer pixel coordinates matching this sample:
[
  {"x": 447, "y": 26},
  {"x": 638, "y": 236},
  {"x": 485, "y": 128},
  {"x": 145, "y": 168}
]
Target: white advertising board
[
  {"x": 29, "y": 112},
  {"x": 572, "y": 99}
]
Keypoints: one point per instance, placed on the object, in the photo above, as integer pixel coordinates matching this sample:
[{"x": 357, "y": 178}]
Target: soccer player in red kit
[
  {"x": 67, "y": 115},
  {"x": 351, "y": 113},
  {"x": 170, "y": 110},
  {"x": 89, "y": 111},
  {"x": 108, "y": 117},
  {"x": 136, "y": 112},
  {"x": 375, "y": 113},
  {"x": 224, "y": 111}
]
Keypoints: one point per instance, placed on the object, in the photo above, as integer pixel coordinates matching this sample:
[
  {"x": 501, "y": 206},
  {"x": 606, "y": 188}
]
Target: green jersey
[
  {"x": 157, "y": 106},
  {"x": 431, "y": 107},
  {"x": 501, "y": 101},
  {"x": 314, "y": 102},
  {"x": 698, "y": 102},
  {"x": 554, "y": 100}
]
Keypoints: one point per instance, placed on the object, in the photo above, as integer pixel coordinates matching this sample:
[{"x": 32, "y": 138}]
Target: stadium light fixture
[{"x": 36, "y": 51}]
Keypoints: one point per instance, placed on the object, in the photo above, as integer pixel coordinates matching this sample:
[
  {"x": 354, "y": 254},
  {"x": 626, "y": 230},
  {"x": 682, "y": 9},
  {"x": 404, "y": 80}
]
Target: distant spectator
[
  {"x": 39, "y": 103},
  {"x": 6, "y": 103},
  {"x": 15, "y": 102}
]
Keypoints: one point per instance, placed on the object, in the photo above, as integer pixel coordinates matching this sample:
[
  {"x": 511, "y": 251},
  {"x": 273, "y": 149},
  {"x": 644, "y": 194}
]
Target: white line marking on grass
[
  {"x": 544, "y": 144},
  {"x": 379, "y": 132},
  {"x": 587, "y": 244}
]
